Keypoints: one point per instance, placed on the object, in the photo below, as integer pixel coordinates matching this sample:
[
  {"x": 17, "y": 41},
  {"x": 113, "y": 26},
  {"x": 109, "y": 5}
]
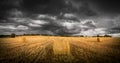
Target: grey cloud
[
  {"x": 107, "y": 6},
  {"x": 8, "y": 28},
  {"x": 44, "y": 6},
  {"x": 13, "y": 27},
  {"x": 89, "y": 23},
  {"x": 34, "y": 25},
  {"x": 83, "y": 8},
  {"x": 15, "y": 13},
  {"x": 71, "y": 28},
  {"x": 51, "y": 25},
  {"x": 114, "y": 30},
  {"x": 93, "y": 32},
  {"x": 68, "y": 17},
  {"x": 55, "y": 7}
]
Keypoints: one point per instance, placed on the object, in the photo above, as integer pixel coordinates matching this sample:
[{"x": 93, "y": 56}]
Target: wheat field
[{"x": 55, "y": 49}]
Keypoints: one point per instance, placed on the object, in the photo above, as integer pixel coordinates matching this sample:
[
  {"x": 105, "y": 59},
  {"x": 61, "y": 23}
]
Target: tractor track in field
[
  {"x": 21, "y": 50},
  {"x": 41, "y": 55},
  {"x": 24, "y": 45}
]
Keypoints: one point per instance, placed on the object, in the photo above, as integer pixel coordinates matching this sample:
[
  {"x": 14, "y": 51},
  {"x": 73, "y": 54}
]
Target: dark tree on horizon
[{"x": 13, "y": 35}]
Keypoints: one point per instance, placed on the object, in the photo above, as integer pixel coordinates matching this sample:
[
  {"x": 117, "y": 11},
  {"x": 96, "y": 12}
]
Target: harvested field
[{"x": 54, "y": 49}]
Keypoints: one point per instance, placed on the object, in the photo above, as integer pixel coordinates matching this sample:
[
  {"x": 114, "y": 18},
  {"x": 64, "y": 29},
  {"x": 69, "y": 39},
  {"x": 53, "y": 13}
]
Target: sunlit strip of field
[{"x": 61, "y": 47}]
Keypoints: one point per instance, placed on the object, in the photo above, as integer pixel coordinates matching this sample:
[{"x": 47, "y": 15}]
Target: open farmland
[{"x": 53, "y": 49}]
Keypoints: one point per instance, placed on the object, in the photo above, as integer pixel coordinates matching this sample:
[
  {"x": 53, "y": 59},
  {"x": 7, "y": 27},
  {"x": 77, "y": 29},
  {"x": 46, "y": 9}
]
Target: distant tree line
[
  {"x": 103, "y": 36},
  {"x": 5, "y": 36},
  {"x": 13, "y": 35}
]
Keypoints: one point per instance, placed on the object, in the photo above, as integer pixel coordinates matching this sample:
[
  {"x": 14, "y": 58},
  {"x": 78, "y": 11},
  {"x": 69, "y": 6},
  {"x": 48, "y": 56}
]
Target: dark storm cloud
[
  {"x": 89, "y": 23},
  {"x": 114, "y": 30},
  {"x": 6, "y": 5},
  {"x": 107, "y": 6},
  {"x": 31, "y": 7},
  {"x": 44, "y": 6},
  {"x": 59, "y": 17},
  {"x": 57, "y": 6},
  {"x": 83, "y": 8}
]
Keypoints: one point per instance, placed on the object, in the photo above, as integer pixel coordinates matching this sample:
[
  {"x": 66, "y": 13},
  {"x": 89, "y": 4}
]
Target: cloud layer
[{"x": 60, "y": 17}]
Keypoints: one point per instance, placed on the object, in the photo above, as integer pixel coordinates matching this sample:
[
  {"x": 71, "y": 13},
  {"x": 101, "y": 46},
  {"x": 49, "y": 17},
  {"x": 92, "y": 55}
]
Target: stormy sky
[{"x": 60, "y": 17}]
